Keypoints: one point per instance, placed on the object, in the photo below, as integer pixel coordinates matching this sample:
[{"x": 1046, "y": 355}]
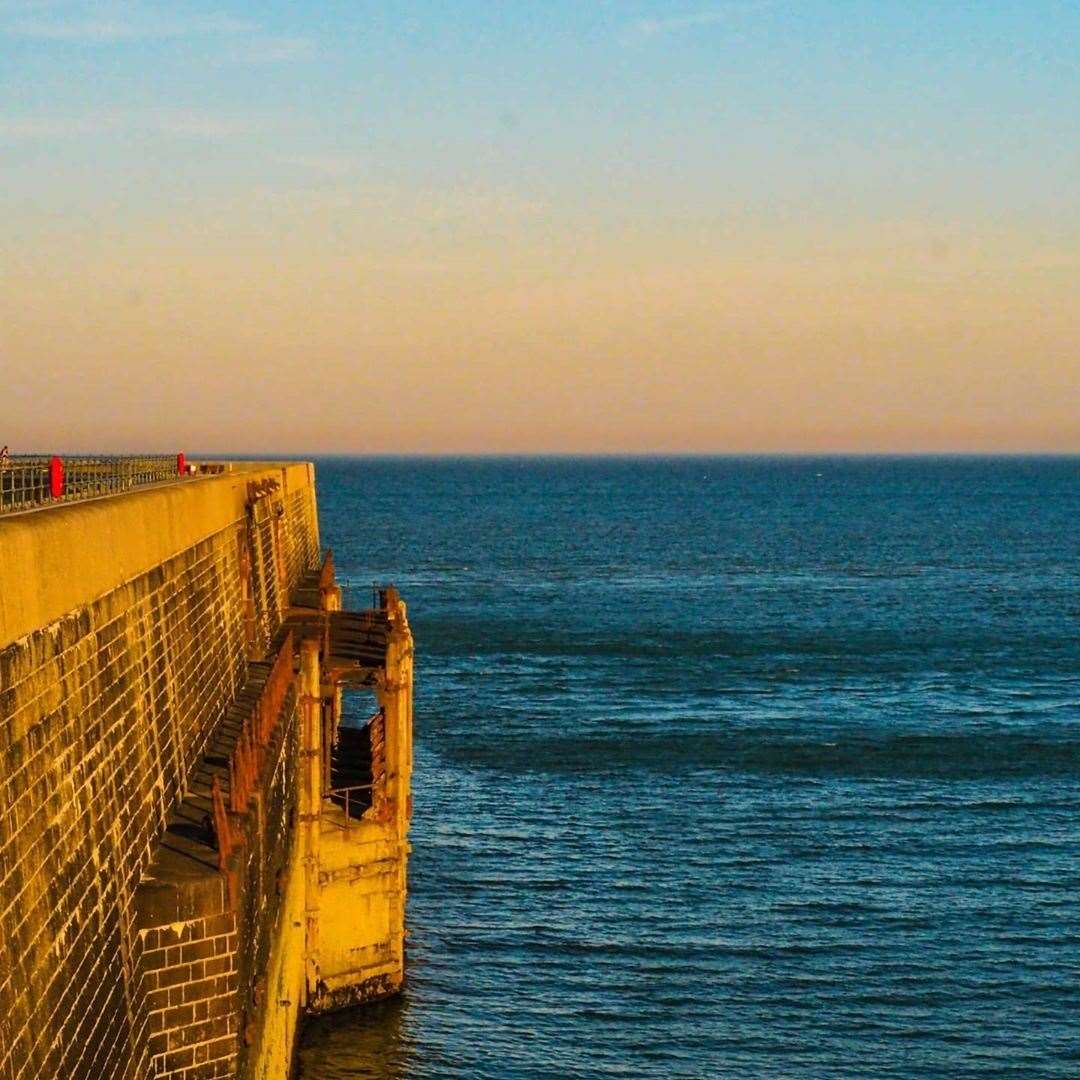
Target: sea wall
[{"x": 157, "y": 906}]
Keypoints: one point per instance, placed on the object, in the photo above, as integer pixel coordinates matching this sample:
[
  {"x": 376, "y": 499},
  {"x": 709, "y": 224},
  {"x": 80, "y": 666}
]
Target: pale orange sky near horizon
[
  {"x": 890, "y": 341},
  {"x": 622, "y": 284}
]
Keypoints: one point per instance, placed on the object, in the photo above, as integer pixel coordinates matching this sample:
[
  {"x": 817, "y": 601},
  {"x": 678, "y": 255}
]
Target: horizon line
[{"x": 635, "y": 455}]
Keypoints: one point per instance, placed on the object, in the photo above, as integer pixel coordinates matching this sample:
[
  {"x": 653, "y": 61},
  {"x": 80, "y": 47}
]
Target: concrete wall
[
  {"x": 179, "y": 884},
  {"x": 126, "y": 630},
  {"x": 362, "y": 865}
]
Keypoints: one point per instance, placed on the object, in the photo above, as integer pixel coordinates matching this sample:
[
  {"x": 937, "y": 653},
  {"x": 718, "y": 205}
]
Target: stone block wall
[
  {"x": 205, "y": 931},
  {"x": 189, "y": 978},
  {"x": 126, "y": 628}
]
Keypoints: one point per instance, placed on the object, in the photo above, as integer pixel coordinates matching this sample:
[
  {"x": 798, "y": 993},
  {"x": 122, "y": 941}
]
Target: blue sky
[
  {"x": 496, "y": 139},
  {"x": 841, "y": 108}
]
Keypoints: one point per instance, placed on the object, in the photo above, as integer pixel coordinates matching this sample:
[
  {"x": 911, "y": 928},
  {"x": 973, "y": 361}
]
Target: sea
[{"x": 729, "y": 767}]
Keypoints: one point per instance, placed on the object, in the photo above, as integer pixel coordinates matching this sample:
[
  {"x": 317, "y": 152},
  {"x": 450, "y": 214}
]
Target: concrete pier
[{"x": 193, "y": 853}]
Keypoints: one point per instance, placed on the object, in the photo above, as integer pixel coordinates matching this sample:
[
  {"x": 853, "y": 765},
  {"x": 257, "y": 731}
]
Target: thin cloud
[
  {"x": 18, "y": 128},
  {"x": 275, "y": 50},
  {"x": 327, "y": 166},
  {"x": 26, "y": 7},
  {"x": 413, "y": 207},
  {"x": 162, "y": 122},
  {"x": 133, "y": 28},
  {"x": 197, "y": 125},
  {"x": 649, "y": 28}
]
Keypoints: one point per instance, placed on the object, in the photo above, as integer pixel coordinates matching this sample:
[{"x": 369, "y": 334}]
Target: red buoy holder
[{"x": 56, "y": 478}]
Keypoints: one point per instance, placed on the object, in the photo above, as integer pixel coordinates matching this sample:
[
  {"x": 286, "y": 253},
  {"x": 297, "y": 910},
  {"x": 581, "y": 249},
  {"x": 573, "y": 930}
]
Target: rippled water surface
[{"x": 747, "y": 768}]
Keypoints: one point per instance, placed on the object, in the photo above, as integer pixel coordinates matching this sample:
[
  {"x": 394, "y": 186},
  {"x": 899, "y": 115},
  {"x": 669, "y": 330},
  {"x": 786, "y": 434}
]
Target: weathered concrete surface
[
  {"x": 361, "y": 884},
  {"x": 131, "y": 630},
  {"x": 56, "y": 561},
  {"x": 362, "y": 865},
  {"x": 356, "y": 865}
]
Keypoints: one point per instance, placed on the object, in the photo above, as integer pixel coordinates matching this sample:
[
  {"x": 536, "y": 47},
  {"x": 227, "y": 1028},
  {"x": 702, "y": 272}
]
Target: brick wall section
[
  {"x": 302, "y": 546},
  {"x": 190, "y": 982},
  {"x": 262, "y": 869},
  {"x": 199, "y": 1001},
  {"x": 266, "y": 584},
  {"x": 103, "y": 716}
]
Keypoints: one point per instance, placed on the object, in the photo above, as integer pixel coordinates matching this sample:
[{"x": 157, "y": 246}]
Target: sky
[{"x": 540, "y": 227}]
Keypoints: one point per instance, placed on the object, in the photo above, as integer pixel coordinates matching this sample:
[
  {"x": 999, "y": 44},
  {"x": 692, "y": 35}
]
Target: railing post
[{"x": 56, "y": 478}]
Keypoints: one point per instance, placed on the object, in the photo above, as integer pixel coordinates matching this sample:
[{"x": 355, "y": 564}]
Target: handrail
[
  {"x": 245, "y": 763},
  {"x": 28, "y": 481},
  {"x": 346, "y": 791},
  {"x": 257, "y": 729}
]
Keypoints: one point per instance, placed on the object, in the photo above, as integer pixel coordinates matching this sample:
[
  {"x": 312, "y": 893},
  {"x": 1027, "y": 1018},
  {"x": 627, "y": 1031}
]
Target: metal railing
[
  {"x": 251, "y": 752},
  {"x": 341, "y": 796},
  {"x": 28, "y": 481}
]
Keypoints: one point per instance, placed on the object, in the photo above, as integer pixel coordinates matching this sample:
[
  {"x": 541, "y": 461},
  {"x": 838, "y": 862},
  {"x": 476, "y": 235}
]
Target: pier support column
[
  {"x": 395, "y": 696},
  {"x": 329, "y": 600},
  {"x": 311, "y": 788},
  {"x": 363, "y": 853}
]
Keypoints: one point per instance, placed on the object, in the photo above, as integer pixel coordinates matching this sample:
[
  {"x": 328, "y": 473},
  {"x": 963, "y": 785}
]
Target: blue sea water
[{"x": 730, "y": 767}]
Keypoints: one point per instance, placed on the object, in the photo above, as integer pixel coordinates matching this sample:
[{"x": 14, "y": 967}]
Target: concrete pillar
[
  {"x": 330, "y": 600},
  {"x": 311, "y": 787},
  {"x": 395, "y": 697}
]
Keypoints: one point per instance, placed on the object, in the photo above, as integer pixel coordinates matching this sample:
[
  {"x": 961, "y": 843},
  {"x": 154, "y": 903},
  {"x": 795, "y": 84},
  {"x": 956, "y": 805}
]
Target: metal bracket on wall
[{"x": 259, "y": 489}]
